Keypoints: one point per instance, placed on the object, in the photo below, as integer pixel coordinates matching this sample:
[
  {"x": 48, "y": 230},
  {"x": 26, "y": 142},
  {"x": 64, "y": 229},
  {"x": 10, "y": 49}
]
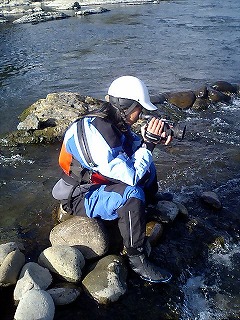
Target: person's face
[{"x": 134, "y": 115}]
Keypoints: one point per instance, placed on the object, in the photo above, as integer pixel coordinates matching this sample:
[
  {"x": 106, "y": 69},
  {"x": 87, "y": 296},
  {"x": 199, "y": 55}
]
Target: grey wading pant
[{"x": 115, "y": 201}]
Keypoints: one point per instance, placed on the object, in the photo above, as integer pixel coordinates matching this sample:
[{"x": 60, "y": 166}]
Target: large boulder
[
  {"x": 32, "y": 276},
  {"x": 86, "y": 234},
  {"x": 11, "y": 267},
  {"x": 225, "y": 87},
  {"x": 164, "y": 212},
  {"x": 47, "y": 119},
  {"x": 35, "y": 304},
  {"x": 183, "y": 100},
  {"x": 6, "y": 248},
  {"x": 65, "y": 261},
  {"x": 41, "y": 17},
  {"x": 216, "y": 96},
  {"x": 107, "y": 281},
  {"x": 211, "y": 199}
]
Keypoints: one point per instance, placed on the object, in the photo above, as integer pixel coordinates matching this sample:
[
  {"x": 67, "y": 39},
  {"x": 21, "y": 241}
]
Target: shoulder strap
[{"x": 84, "y": 144}]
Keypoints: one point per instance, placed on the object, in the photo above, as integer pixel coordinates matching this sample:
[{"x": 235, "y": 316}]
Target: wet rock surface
[
  {"x": 183, "y": 242},
  {"x": 41, "y": 17},
  {"x": 107, "y": 281},
  {"x": 46, "y": 120},
  {"x": 83, "y": 233}
]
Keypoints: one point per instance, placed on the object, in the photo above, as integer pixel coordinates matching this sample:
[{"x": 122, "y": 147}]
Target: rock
[
  {"x": 6, "y": 248},
  {"x": 11, "y": 267},
  {"x": 218, "y": 243},
  {"x": 35, "y": 304},
  {"x": 154, "y": 232},
  {"x": 64, "y": 261},
  {"x": 167, "y": 211},
  {"x": 225, "y": 87},
  {"x": 30, "y": 123},
  {"x": 107, "y": 281},
  {"x": 32, "y": 276},
  {"x": 86, "y": 234},
  {"x": 211, "y": 198},
  {"x": 51, "y": 117},
  {"x": 91, "y": 11},
  {"x": 158, "y": 99},
  {"x": 182, "y": 209},
  {"x": 202, "y": 92},
  {"x": 216, "y": 96},
  {"x": 64, "y": 294},
  {"x": 201, "y": 104},
  {"x": 183, "y": 100},
  {"x": 41, "y": 17}
]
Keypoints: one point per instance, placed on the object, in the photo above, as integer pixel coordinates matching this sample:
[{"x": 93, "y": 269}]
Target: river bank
[{"x": 34, "y": 12}]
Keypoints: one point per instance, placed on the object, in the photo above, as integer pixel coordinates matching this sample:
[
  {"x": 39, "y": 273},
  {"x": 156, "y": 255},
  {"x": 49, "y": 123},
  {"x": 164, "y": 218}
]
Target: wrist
[{"x": 148, "y": 145}]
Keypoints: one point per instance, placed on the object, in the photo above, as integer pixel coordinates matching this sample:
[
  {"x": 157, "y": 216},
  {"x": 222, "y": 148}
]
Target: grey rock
[
  {"x": 6, "y": 248},
  {"x": 11, "y": 267},
  {"x": 182, "y": 209},
  {"x": 91, "y": 11},
  {"x": 107, "y": 281},
  {"x": 64, "y": 294},
  {"x": 168, "y": 210},
  {"x": 225, "y": 87},
  {"x": 47, "y": 119},
  {"x": 30, "y": 123},
  {"x": 35, "y": 304},
  {"x": 216, "y": 96},
  {"x": 63, "y": 260},
  {"x": 86, "y": 234},
  {"x": 212, "y": 199},
  {"x": 32, "y": 276},
  {"x": 41, "y": 17}
]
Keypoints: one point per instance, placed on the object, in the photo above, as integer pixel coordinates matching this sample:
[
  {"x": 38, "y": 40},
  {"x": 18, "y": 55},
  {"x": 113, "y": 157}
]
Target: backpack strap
[{"x": 84, "y": 144}]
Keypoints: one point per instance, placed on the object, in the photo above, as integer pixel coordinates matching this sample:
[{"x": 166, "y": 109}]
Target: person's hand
[{"x": 157, "y": 131}]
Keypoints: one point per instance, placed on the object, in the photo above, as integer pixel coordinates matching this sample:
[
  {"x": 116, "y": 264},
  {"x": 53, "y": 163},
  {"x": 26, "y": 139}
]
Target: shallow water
[{"x": 176, "y": 45}]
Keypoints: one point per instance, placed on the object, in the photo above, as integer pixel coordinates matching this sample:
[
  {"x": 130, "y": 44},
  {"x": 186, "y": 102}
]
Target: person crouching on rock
[{"x": 109, "y": 171}]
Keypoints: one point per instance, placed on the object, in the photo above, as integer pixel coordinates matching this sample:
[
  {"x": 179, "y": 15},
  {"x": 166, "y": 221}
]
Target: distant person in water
[{"x": 109, "y": 171}]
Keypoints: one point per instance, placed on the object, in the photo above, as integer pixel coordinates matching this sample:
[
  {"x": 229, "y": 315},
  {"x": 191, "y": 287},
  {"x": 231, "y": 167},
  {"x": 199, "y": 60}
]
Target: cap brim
[{"x": 149, "y": 106}]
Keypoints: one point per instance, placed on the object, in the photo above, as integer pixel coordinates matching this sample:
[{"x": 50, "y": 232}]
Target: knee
[{"x": 134, "y": 192}]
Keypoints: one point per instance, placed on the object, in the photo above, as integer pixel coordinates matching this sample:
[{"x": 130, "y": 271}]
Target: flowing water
[{"x": 172, "y": 46}]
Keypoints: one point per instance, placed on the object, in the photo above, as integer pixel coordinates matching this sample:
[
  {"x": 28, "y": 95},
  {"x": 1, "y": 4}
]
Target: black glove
[{"x": 152, "y": 138}]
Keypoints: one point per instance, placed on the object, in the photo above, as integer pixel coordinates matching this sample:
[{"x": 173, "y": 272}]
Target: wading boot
[{"x": 147, "y": 270}]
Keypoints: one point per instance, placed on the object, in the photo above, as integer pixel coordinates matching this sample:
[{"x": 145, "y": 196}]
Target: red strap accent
[
  {"x": 97, "y": 178},
  {"x": 65, "y": 159}
]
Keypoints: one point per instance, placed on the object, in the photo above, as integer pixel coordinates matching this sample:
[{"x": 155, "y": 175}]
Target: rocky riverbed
[
  {"x": 76, "y": 262},
  {"x": 47, "y": 119},
  {"x": 84, "y": 256}
]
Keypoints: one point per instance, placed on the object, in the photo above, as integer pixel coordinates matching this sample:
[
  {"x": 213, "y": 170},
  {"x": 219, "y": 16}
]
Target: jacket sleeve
[{"x": 106, "y": 148}]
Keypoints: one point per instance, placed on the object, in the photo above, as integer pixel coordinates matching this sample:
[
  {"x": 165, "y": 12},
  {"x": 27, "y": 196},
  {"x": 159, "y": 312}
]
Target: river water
[{"x": 172, "y": 46}]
